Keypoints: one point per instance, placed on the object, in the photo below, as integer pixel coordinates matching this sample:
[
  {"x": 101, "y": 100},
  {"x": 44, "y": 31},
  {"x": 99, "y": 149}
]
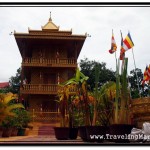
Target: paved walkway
[
  {"x": 38, "y": 140},
  {"x": 51, "y": 140}
]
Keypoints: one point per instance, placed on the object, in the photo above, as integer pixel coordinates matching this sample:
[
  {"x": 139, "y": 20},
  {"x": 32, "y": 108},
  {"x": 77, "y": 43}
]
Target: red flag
[
  {"x": 113, "y": 45},
  {"x": 122, "y": 51},
  {"x": 146, "y": 76},
  {"x": 148, "y": 72}
]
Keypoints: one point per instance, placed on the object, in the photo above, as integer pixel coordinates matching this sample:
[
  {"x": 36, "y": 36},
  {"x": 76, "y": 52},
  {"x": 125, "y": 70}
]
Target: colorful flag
[
  {"x": 113, "y": 45},
  {"x": 148, "y": 72},
  {"x": 122, "y": 51},
  {"x": 146, "y": 76},
  {"x": 128, "y": 43}
]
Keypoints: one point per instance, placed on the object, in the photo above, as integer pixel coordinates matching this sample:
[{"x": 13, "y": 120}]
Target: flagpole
[
  {"x": 115, "y": 54},
  {"x": 133, "y": 58},
  {"x": 148, "y": 89},
  {"x": 115, "y": 57},
  {"x": 129, "y": 86},
  {"x": 136, "y": 73},
  {"x": 148, "y": 84},
  {"x": 123, "y": 56},
  {"x": 117, "y": 80}
]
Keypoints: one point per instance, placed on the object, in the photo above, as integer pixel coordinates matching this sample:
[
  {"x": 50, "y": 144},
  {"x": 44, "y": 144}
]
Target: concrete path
[
  {"x": 38, "y": 140},
  {"x": 51, "y": 140}
]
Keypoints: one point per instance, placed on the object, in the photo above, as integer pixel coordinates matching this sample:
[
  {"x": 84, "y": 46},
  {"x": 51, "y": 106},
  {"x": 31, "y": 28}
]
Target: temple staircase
[{"x": 42, "y": 129}]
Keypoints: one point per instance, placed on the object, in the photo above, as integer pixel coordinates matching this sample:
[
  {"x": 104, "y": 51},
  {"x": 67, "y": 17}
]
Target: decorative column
[
  {"x": 58, "y": 78},
  {"x": 75, "y": 51}
]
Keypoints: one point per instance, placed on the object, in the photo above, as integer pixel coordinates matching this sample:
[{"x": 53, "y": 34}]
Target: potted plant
[
  {"x": 100, "y": 111},
  {"x": 78, "y": 115},
  {"x": 77, "y": 84},
  {"x": 1, "y": 131},
  {"x": 67, "y": 130},
  {"x": 105, "y": 102},
  {"x": 22, "y": 119},
  {"x": 6, "y": 111},
  {"x": 7, "y": 125},
  {"x": 73, "y": 129},
  {"x": 62, "y": 132},
  {"x": 121, "y": 124}
]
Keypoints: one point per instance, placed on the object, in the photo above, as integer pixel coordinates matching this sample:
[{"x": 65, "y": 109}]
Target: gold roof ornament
[
  {"x": 50, "y": 32},
  {"x": 50, "y": 25}
]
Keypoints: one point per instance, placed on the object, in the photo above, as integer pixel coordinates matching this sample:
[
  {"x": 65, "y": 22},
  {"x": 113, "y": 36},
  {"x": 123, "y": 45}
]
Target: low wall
[{"x": 140, "y": 109}]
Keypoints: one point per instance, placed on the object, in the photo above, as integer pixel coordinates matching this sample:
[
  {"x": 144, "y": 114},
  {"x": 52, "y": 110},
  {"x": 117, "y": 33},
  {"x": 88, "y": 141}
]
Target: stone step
[
  {"x": 46, "y": 130},
  {"x": 42, "y": 129},
  {"x": 34, "y": 131}
]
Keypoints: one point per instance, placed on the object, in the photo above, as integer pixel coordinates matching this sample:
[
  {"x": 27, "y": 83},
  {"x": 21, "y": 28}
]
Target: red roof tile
[{"x": 4, "y": 84}]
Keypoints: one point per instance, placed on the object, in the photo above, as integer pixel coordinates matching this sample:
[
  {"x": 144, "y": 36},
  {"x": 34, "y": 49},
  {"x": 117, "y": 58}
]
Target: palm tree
[{"x": 5, "y": 106}]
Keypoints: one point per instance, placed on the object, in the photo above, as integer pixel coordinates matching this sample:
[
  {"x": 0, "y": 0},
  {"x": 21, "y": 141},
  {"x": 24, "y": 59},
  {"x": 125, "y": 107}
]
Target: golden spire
[
  {"x": 50, "y": 25},
  {"x": 50, "y": 19}
]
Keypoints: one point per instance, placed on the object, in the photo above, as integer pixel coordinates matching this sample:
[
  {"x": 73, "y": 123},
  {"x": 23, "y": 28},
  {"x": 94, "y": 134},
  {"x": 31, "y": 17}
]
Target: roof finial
[{"x": 50, "y": 19}]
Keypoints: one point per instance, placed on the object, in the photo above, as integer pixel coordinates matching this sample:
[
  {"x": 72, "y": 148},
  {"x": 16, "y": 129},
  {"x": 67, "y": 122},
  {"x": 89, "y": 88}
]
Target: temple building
[{"x": 49, "y": 57}]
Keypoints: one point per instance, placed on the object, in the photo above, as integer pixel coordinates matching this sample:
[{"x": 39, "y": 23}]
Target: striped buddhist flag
[
  {"x": 148, "y": 72},
  {"x": 146, "y": 76},
  {"x": 113, "y": 45},
  {"x": 122, "y": 51},
  {"x": 128, "y": 43}
]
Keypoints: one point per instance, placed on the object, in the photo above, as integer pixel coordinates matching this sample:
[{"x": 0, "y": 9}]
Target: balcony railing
[
  {"x": 49, "y": 62},
  {"x": 39, "y": 89},
  {"x": 47, "y": 117},
  {"x": 42, "y": 89}
]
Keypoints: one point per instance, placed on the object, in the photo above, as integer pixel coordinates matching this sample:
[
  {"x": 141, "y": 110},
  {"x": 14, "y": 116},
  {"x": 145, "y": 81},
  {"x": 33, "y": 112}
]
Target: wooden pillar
[
  {"x": 22, "y": 75},
  {"x": 22, "y": 69},
  {"x": 75, "y": 51}
]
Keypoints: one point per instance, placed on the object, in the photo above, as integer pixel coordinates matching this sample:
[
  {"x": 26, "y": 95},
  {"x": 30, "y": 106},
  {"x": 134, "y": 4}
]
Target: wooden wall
[
  {"x": 43, "y": 103},
  {"x": 49, "y": 52},
  {"x": 38, "y": 75}
]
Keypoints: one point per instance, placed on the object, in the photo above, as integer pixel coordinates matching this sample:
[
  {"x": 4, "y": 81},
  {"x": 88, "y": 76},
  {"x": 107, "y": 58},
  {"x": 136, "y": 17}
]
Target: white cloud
[{"x": 97, "y": 21}]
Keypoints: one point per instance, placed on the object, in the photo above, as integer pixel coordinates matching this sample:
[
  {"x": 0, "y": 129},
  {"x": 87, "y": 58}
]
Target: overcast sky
[{"x": 96, "y": 21}]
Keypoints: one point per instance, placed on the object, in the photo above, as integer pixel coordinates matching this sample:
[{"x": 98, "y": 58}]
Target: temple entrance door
[
  {"x": 46, "y": 106},
  {"x": 49, "y": 78},
  {"x": 50, "y": 106},
  {"x": 49, "y": 112}
]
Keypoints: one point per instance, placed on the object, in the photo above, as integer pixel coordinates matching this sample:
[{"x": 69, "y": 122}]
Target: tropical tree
[
  {"x": 136, "y": 87},
  {"x": 63, "y": 96},
  {"x": 5, "y": 90},
  {"x": 14, "y": 83},
  {"x": 122, "y": 99},
  {"x": 79, "y": 82},
  {"x": 88, "y": 68},
  {"x": 6, "y": 105},
  {"x": 15, "y": 80},
  {"x": 95, "y": 94},
  {"x": 22, "y": 117},
  {"x": 104, "y": 105}
]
